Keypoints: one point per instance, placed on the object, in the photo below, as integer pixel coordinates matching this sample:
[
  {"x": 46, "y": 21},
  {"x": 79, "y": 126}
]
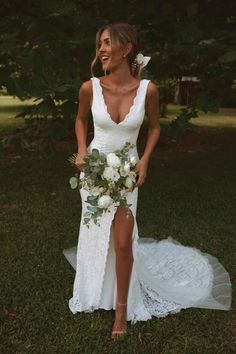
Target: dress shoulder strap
[
  {"x": 145, "y": 85},
  {"x": 143, "y": 90},
  {"x": 95, "y": 89}
]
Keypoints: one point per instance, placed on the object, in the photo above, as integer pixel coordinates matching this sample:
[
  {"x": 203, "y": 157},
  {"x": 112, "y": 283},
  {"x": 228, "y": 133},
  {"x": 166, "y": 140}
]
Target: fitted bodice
[{"x": 109, "y": 135}]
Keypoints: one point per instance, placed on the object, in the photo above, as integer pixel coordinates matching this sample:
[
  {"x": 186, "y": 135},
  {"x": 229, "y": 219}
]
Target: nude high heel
[{"x": 117, "y": 334}]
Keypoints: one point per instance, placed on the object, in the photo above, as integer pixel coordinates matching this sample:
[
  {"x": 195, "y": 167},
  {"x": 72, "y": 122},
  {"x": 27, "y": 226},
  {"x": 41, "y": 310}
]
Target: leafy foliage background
[{"x": 46, "y": 49}]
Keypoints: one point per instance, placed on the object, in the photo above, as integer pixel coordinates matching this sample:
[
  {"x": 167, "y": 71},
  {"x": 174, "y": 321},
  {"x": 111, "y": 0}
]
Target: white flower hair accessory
[{"x": 142, "y": 60}]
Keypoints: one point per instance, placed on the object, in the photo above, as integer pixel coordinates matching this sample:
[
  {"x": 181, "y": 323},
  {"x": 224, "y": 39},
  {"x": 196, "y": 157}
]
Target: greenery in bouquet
[{"x": 108, "y": 178}]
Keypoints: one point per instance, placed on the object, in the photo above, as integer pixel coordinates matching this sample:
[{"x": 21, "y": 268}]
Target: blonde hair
[{"x": 124, "y": 33}]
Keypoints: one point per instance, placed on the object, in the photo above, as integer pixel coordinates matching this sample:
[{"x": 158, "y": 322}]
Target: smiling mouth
[{"x": 104, "y": 58}]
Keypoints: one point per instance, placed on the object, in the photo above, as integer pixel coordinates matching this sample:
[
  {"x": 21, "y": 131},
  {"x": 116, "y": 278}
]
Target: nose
[{"x": 102, "y": 47}]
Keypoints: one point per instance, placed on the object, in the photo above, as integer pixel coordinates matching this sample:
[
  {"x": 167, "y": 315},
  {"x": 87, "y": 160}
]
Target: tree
[{"x": 47, "y": 47}]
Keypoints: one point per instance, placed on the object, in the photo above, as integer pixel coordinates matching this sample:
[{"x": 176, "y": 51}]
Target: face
[{"x": 110, "y": 57}]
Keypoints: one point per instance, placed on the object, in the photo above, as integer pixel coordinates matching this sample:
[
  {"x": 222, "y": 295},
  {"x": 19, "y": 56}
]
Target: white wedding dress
[{"x": 166, "y": 276}]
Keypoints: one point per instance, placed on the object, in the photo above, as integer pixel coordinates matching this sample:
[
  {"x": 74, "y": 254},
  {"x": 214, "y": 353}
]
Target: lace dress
[{"x": 166, "y": 275}]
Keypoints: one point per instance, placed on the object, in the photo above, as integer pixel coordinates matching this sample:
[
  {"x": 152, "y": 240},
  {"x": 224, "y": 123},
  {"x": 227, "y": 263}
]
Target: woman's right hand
[{"x": 79, "y": 160}]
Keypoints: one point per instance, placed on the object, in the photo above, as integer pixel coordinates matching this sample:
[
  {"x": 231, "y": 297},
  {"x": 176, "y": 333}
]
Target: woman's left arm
[{"x": 153, "y": 113}]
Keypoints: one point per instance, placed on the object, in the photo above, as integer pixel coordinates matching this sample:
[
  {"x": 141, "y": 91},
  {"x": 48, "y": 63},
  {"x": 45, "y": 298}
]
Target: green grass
[
  {"x": 225, "y": 118},
  {"x": 9, "y": 107},
  {"x": 190, "y": 194}
]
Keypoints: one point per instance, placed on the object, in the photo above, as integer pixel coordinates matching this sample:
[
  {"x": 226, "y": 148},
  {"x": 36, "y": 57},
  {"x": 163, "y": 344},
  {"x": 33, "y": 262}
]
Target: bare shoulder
[
  {"x": 86, "y": 87},
  {"x": 152, "y": 89},
  {"x": 86, "y": 92},
  {"x": 152, "y": 95}
]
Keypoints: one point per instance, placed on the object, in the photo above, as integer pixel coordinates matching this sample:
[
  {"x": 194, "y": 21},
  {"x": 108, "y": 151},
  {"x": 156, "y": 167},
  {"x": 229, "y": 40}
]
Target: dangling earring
[{"x": 105, "y": 72}]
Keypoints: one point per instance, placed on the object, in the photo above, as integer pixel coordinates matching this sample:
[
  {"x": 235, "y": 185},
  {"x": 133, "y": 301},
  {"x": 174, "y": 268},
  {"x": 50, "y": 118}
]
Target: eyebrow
[{"x": 104, "y": 39}]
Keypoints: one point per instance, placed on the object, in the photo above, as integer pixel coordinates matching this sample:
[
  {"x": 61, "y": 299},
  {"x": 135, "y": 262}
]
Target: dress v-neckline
[{"x": 131, "y": 108}]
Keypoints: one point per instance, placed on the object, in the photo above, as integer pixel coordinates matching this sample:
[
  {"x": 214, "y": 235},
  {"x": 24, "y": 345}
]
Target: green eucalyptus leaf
[
  {"x": 95, "y": 153},
  {"x": 92, "y": 209}
]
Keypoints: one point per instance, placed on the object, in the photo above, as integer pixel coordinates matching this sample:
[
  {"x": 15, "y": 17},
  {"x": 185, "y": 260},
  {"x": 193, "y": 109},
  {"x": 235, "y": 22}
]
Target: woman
[{"x": 139, "y": 278}]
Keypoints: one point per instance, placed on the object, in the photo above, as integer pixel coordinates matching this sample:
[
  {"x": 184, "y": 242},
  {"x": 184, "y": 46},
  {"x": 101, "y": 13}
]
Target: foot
[{"x": 120, "y": 325}]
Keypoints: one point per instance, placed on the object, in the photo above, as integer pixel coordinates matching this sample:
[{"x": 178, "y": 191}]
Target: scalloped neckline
[{"x": 131, "y": 108}]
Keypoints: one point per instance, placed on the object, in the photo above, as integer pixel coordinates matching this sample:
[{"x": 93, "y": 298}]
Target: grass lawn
[
  {"x": 226, "y": 117},
  {"x": 190, "y": 194},
  {"x": 9, "y": 107}
]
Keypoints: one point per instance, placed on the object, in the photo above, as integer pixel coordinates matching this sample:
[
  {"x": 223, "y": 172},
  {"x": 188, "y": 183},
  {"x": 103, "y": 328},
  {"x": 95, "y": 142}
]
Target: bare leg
[{"x": 123, "y": 227}]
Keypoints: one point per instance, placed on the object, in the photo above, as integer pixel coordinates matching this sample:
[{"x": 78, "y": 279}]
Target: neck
[{"x": 120, "y": 76}]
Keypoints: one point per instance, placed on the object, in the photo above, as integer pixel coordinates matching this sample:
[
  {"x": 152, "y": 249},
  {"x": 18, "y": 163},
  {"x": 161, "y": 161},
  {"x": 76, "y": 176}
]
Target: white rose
[
  {"x": 133, "y": 160},
  {"x": 73, "y": 182},
  {"x": 116, "y": 176},
  {"x": 127, "y": 167},
  {"x": 110, "y": 174},
  {"x": 105, "y": 201},
  {"x": 128, "y": 182},
  {"x": 113, "y": 160}
]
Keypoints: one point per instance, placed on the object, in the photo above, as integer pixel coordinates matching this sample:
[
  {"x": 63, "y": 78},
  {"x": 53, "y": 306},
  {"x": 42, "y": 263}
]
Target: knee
[{"x": 124, "y": 248}]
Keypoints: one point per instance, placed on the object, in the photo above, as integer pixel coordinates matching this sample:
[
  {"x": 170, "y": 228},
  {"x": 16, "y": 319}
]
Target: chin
[{"x": 106, "y": 68}]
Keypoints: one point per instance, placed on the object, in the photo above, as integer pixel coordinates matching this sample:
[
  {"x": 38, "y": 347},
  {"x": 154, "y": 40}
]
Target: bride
[{"x": 115, "y": 269}]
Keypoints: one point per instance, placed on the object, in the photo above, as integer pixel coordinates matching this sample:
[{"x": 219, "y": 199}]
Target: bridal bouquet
[{"x": 107, "y": 178}]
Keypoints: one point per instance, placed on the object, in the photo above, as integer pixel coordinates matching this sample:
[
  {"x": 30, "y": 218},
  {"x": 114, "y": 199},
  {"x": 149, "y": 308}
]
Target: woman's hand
[
  {"x": 141, "y": 170},
  {"x": 79, "y": 160}
]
